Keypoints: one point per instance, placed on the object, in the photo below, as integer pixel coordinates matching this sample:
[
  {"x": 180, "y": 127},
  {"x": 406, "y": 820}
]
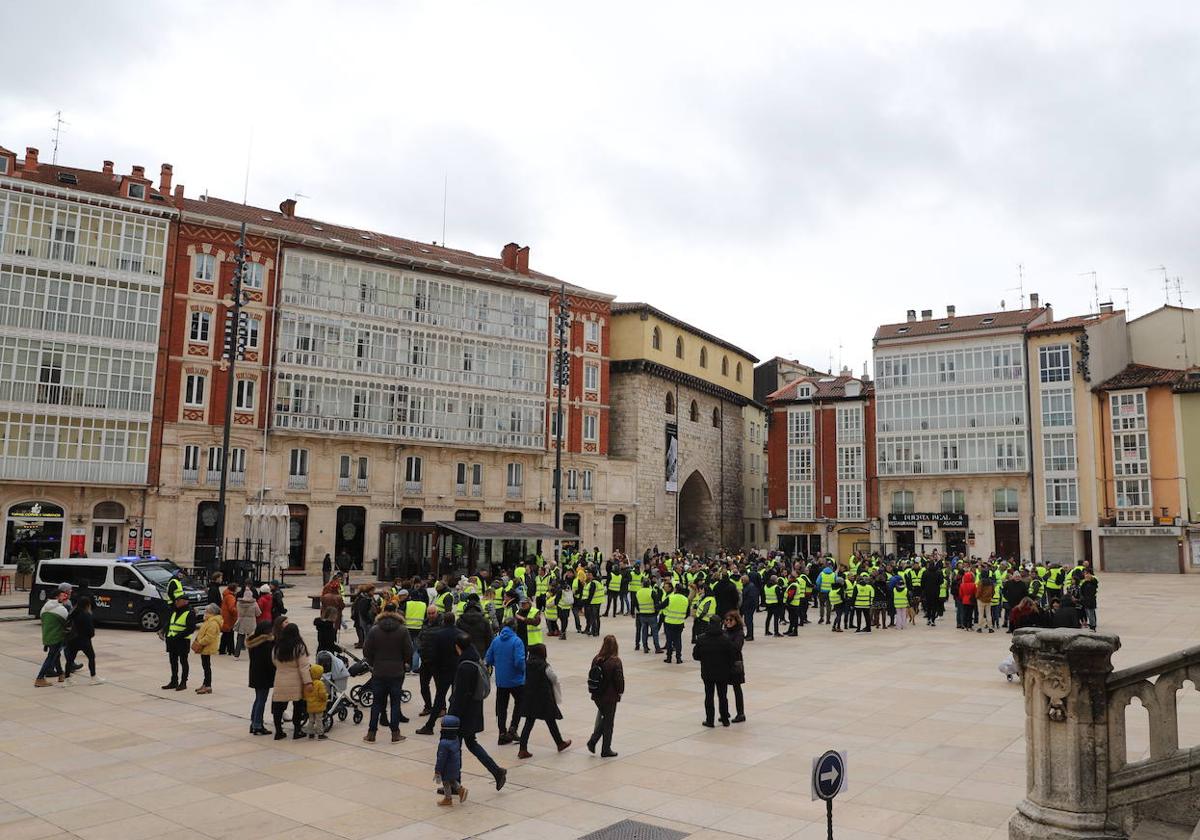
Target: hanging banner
[{"x": 672, "y": 460}]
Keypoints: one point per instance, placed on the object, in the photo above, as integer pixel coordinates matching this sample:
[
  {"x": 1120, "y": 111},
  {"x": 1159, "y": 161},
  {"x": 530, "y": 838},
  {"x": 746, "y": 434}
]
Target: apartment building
[
  {"x": 84, "y": 256},
  {"x": 953, "y": 432}
]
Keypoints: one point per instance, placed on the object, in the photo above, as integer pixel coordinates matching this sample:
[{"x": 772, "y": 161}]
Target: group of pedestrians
[{"x": 67, "y": 632}]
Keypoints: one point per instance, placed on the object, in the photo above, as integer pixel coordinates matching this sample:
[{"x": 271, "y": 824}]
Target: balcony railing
[
  {"x": 191, "y": 476},
  {"x": 237, "y": 479},
  {"x": 477, "y": 490},
  {"x": 586, "y": 494},
  {"x": 297, "y": 482},
  {"x": 361, "y": 485},
  {"x": 212, "y": 477},
  {"x": 513, "y": 492},
  {"x": 343, "y": 484},
  {"x": 460, "y": 489},
  {"x": 412, "y": 487}
]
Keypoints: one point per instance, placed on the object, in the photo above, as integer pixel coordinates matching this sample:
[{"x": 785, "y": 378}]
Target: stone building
[{"x": 677, "y": 399}]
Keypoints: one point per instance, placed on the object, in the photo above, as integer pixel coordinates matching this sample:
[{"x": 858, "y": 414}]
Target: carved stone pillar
[{"x": 1066, "y": 734}]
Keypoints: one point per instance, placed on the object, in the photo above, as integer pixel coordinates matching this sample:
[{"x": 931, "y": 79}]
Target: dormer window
[
  {"x": 803, "y": 392},
  {"x": 3, "y": 165},
  {"x": 137, "y": 191}
]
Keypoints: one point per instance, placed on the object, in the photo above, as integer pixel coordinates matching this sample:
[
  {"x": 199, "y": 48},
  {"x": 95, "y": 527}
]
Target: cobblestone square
[{"x": 934, "y": 736}]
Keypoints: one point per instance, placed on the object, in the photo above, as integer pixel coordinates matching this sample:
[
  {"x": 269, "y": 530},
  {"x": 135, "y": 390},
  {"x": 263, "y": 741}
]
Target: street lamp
[
  {"x": 562, "y": 378},
  {"x": 236, "y": 332}
]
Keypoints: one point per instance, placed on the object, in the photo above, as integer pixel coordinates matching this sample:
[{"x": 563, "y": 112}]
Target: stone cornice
[{"x": 681, "y": 378}]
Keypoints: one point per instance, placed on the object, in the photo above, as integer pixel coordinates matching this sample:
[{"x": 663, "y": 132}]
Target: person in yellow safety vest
[
  {"x": 444, "y": 599},
  {"x": 791, "y": 602},
  {"x": 615, "y": 579},
  {"x": 633, "y": 582},
  {"x": 837, "y": 598},
  {"x": 900, "y": 601},
  {"x": 579, "y": 602},
  {"x": 542, "y": 583},
  {"x": 595, "y": 598},
  {"x": 1054, "y": 581},
  {"x": 917, "y": 587},
  {"x": 529, "y": 623},
  {"x": 414, "y": 615},
  {"x": 825, "y": 579},
  {"x": 771, "y": 599},
  {"x": 864, "y": 594},
  {"x": 806, "y": 591},
  {"x": 675, "y": 612},
  {"x": 181, "y": 623},
  {"x": 174, "y": 588},
  {"x": 519, "y": 574},
  {"x": 647, "y": 604},
  {"x": 705, "y": 614}
]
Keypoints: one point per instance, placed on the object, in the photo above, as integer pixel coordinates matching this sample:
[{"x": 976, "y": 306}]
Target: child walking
[
  {"x": 316, "y": 698},
  {"x": 448, "y": 770}
]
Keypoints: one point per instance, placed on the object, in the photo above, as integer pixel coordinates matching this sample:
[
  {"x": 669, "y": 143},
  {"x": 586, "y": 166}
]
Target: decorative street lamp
[
  {"x": 236, "y": 333},
  {"x": 562, "y": 379}
]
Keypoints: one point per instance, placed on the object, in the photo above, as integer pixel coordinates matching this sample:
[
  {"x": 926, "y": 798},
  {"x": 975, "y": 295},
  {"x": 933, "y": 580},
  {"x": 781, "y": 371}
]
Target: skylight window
[{"x": 988, "y": 320}]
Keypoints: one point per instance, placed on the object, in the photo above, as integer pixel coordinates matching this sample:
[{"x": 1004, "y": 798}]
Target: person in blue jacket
[{"x": 506, "y": 655}]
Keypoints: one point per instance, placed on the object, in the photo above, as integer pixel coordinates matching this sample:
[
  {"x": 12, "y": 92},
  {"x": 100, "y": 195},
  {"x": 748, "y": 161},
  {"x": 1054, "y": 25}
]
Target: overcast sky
[{"x": 785, "y": 175}]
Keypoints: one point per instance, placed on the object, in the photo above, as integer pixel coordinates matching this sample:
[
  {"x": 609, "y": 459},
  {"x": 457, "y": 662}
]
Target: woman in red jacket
[
  {"x": 966, "y": 600},
  {"x": 264, "y": 603}
]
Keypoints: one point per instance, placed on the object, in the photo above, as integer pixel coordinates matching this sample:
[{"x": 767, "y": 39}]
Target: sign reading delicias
[{"x": 912, "y": 520}]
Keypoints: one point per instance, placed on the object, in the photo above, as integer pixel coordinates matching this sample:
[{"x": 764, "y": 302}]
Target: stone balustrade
[{"x": 1080, "y": 782}]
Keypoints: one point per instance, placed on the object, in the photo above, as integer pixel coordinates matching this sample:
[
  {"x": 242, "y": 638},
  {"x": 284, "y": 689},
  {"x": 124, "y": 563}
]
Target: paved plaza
[{"x": 933, "y": 732}]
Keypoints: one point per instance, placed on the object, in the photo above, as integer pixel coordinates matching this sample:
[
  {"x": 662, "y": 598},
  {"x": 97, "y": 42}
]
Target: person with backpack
[
  {"x": 606, "y": 684},
  {"x": 472, "y": 685}
]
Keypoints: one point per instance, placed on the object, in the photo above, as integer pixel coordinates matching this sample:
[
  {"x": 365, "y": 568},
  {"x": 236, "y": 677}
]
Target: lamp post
[
  {"x": 562, "y": 378},
  {"x": 236, "y": 331}
]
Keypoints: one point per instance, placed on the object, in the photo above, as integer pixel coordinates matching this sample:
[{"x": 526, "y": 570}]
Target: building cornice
[
  {"x": 679, "y": 377},
  {"x": 161, "y": 210}
]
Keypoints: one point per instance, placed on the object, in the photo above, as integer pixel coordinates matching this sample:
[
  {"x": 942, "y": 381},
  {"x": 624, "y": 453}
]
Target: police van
[{"x": 124, "y": 590}]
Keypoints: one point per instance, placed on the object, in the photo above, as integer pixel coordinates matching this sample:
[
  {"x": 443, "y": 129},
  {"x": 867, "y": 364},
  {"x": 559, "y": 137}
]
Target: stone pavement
[{"x": 935, "y": 738}]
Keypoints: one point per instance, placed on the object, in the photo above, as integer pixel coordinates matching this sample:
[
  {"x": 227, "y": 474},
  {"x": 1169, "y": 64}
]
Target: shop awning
[{"x": 506, "y": 531}]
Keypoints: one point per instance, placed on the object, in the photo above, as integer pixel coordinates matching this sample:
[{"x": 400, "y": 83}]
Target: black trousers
[
  {"x": 206, "y": 664},
  {"x": 178, "y": 656},
  {"x": 614, "y": 602},
  {"x": 277, "y": 710},
  {"x": 426, "y": 676},
  {"x": 227, "y": 646},
  {"x": 739, "y": 705},
  {"x": 75, "y": 648},
  {"x": 804, "y": 612},
  {"x": 748, "y": 620},
  {"x": 864, "y": 618},
  {"x": 502, "y": 697},
  {"x": 593, "y": 619},
  {"x": 774, "y": 616},
  {"x": 551, "y": 724},
  {"x": 606, "y": 714},
  {"x": 722, "y": 692},
  {"x": 793, "y": 618}
]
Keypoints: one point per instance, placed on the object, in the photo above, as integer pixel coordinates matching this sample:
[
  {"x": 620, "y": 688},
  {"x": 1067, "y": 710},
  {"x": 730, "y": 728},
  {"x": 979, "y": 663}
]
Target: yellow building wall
[
  {"x": 633, "y": 338},
  {"x": 1189, "y": 413},
  {"x": 1166, "y": 475}
]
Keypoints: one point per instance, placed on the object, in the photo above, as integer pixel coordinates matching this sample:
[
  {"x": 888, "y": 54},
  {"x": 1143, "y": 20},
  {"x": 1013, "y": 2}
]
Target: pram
[
  {"x": 1008, "y": 668},
  {"x": 336, "y": 678}
]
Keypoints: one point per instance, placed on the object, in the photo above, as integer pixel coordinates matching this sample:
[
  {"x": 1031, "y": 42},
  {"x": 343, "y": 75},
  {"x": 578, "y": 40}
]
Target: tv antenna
[
  {"x": 445, "y": 193},
  {"x": 1124, "y": 289},
  {"x": 1020, "y": 287},
  {"x": 59, "y": 122},
  {"x": 1166, "y": 282},
  {"x": 1095, "y": 288}
]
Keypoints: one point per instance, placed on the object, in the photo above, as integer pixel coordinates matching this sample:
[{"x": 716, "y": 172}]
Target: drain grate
[{"x": 634, "y": 830}]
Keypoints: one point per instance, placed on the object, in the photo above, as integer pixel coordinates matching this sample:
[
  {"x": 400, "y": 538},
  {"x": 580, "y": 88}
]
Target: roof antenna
[
  {"x": 59, "y": 122},
  {"x": 246, "y": 184},
  {"x": 445, "y": 193},
  {"x": 1020, "y": 287},
  {"x": 1124, "y": 289},
  {"x": 1095, "y": 287},
  {"x": 1166, "y": 282}
]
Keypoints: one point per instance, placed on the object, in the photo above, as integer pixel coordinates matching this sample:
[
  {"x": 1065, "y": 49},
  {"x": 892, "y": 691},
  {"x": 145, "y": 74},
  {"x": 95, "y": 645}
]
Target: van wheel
[{"x": 150, "y": 620}]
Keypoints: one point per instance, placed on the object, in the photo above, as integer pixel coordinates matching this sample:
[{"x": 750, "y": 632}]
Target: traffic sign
[{"x": 828, "y": 775}]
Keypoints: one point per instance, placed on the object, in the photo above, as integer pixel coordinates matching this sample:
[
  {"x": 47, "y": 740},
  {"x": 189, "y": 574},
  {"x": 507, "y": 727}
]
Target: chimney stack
[
  {"x": 912, "y": 315},
  {"x": 31, "y": 161},
  {"x": 178, "y": 194},
  {"x": 164, "y": 179},
  {"x": 108, "y": 167},
  {"x": 1106, "y": 307},
  {"x": 288, "y": 208},
  {"x": 1034, "y": 300},
  {"x": 523, "y": 260},
  {"x": 139, "y": 172},
  {"x": 950, "y": 310},
  {"x": 926, "y": 314},
  {"x": 508, "y": 256}
]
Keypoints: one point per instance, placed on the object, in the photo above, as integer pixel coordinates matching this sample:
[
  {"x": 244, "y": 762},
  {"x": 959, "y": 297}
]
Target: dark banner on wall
[{"x": 672, "y": 460}]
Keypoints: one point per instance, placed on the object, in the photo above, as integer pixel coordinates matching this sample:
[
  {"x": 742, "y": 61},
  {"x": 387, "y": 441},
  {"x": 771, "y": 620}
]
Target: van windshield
[{"x": 157, "y": 573}]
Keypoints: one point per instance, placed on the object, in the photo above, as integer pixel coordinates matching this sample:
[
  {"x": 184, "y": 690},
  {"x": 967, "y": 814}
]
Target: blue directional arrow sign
[{"x": 828, "y": 775}]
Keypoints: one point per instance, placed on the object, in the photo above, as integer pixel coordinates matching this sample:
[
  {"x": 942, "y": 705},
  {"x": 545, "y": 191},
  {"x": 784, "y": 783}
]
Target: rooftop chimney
[
  {"x": 31, "y": 161},
  {"x": 508, "y": 256},
  {"x": 288, "y": 208},
  {"x": 164, "y": 179},
  {"x": 1106, "y": 307},
  {"x": 108, "y": 167},
  {"x": 846, "y": 371},
  {"x": 926, "y": 314},
  {"x": 139, "y": 172},
  {"x": 178, "y": 194},
  {"x": 523, "y": 260},
  {"x": 912, "y": 315},
  {"x": 950, "y": 310},
  {"x": 1034, "y": 300}
]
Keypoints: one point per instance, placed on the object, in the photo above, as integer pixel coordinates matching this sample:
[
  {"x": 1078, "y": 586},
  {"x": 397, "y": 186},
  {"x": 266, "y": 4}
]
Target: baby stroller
[
  {"x": 363, "y": 696},
  {"x": 1008, "y": 668},
  {"x": 337, "y": 677}
]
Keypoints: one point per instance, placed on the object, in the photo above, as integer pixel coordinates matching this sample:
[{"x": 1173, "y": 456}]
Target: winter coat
[
  {"x": 442, "y": 659},
  {"x": 985, "y": 591},
  {"x": 326, "y": 634},
  {"x": 614, "y": 681},
  {"x": 506, "y": 654},
  {"x": 750, "y": 597},
  {"x": 1014, "y": 592},
  {"x": 966, "y": 589},
  {"x": 449, "y": 758},
  {"x": 316, "y": 695},
  {"x": 82, "y": 626},
  {"x": 229, "y": 609},
  {"x": 737, "y": 636},
  {"x": 247, "y": 614},
  {"x": 463, "y": 704},
  {"x": 388, "y": 647},
  {"x": 1087, "y": 593},
  {"x": 54, "y": 622},
  {"x": 290, "y": 678},
  {"x": 727, "y": 596},
  {"x": 363, "y": 609},
  {"x": 475, "y": 624},
  {"x": 264, "y": 607},
  {"x": 207, "y": 641},
  {"x": 716, "y": 655},
  {"x": 537, "y": 698},
  {"x": 262, "y": 669}
]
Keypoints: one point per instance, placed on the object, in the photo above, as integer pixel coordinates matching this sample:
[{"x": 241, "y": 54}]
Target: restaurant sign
[{"x": 912, "y": 520}]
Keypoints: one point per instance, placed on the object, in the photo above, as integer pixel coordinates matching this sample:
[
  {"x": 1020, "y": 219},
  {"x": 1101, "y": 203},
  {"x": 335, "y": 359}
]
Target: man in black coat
[
  {"x": 716, "y": 654},
  {"x": 466, "y": 703},
  {"x": 931, "y": 594},
  {"x": 726, "y": 594},
  {"x": 750, "y": 598},
  {"x": 443, "y": 660}
]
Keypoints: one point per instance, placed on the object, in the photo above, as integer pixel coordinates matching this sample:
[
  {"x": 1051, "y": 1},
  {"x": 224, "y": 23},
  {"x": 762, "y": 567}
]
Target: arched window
[
  {"x": 739, "y": 372},
  {"x": 656, "y": 339},
  {"x": 724, "y": 365},
  {"x": 679, "y": 347},
  {"x": 703, "y": 357},
  {"x": 716, "y": 418},
  {"x": 670, "y": 403},
  {"x": 110, "y": 511},
  {"x": 694, "y": 412}
]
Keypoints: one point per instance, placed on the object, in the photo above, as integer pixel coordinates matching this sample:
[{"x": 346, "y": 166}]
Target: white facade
[{"x": 80, "y": 300}]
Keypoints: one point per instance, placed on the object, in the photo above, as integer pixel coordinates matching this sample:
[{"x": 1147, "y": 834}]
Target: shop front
[
  {"x": 1152, "y": 548},
  {"x": 34, "y": 532},
  {"x": 925, "y": 532}
]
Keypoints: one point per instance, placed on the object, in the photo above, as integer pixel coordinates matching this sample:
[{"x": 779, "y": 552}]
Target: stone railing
[{"x": 1079, "y": 782}]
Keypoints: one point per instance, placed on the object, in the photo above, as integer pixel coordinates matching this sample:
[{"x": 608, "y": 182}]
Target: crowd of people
[{"x": 483, "y": 636}]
